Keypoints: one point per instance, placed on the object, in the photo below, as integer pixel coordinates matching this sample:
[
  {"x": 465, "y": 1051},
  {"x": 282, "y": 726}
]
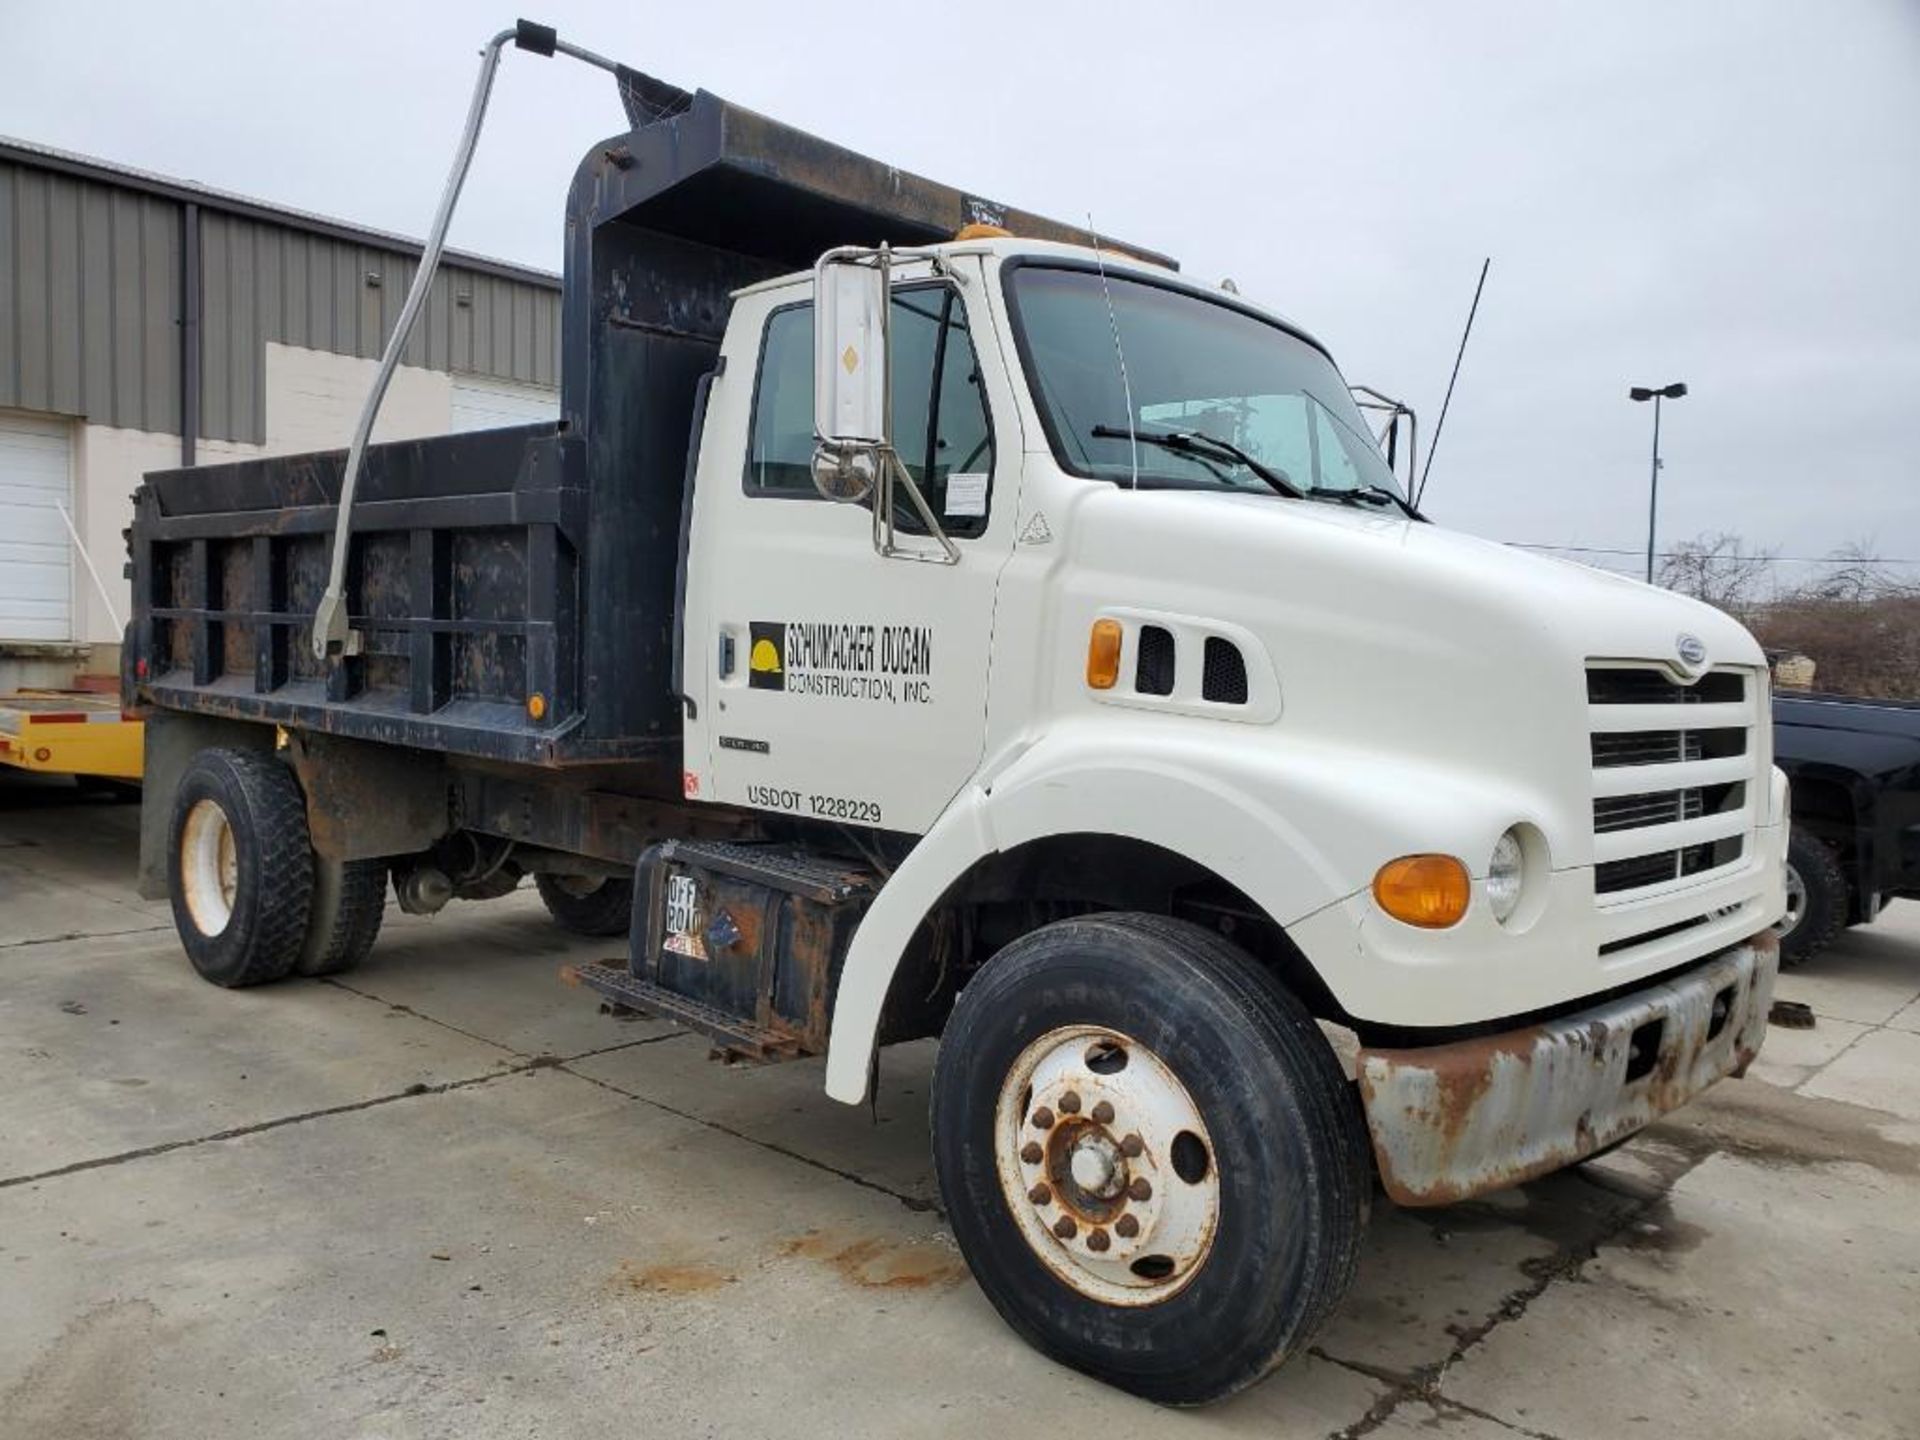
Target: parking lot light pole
[{"x": 1665, "y": 392}]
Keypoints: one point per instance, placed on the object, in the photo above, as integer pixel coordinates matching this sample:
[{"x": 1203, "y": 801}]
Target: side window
[
  {"x": 940, "y": 422},
  {"x": 780, "y": 446}
]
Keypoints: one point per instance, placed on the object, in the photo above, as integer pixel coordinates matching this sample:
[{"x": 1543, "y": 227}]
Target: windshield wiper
[
  {"x": 1193, "y": 442},
  {"x": 1378, "y": 494},
  {"x": 1363, "y": 494}
]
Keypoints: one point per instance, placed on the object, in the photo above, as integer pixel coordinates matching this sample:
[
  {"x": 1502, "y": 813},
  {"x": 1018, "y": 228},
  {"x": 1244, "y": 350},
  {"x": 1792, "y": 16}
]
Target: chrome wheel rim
[
  {"x": 1106, "y": 1165},
  {"x": 209, "y": 867},
  {"x": 1796, "y": 902}
]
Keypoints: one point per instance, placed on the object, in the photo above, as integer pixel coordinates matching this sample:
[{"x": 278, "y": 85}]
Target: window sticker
[{"x": 967, "y": 493}]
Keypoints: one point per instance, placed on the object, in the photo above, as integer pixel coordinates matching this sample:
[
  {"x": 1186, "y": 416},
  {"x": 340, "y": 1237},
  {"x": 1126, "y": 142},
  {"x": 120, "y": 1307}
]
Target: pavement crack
[
  {"x": 623, "y": 1045},
  {"x": 1422, "y": 1385},
  {"x": 534, "y": 1060},
  {"x": 914, "y": 1203},
  {"x": 83, "y": 935},
  {"x": 396, "y": 1006},
  {"x": 238, "y": 1132}
]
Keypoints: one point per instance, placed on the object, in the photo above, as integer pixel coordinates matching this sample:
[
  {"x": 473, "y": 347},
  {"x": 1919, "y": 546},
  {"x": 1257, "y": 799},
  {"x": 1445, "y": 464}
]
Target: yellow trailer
[{"x": 70, "y": 732}]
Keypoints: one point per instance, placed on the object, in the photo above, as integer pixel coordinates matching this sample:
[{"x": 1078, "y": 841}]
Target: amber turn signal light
[
  {"x": 1103, "y": 654},
  {"x": 536, "y": 706},
  {"x": 1430, "y": 891}
]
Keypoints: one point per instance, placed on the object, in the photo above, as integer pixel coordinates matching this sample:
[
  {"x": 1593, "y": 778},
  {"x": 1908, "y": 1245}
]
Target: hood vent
[{"x": 1224, "y": 678}]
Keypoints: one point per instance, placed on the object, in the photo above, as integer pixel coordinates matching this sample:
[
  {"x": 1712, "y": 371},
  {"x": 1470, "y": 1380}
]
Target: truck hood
[
  {"x": 1402, "y": 638},
  {"x": 1379, "y": 559}
]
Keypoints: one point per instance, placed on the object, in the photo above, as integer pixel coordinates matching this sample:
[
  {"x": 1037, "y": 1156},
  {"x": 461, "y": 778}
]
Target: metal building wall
[
  {"x": 266, "y": 282},
  {"x": 90, "y": 305},
  {"x": 89, "y": 300}
]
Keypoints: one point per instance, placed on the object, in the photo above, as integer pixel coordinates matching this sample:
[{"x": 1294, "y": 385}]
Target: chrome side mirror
[
  {"x": 849, "y": 373},
  {"x": 853, "y": 456},
  {"x": 844, "y": 474}
]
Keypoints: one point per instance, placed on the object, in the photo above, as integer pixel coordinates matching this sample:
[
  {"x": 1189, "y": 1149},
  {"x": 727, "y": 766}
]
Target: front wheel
[{"x": 1149, "y": 1155}]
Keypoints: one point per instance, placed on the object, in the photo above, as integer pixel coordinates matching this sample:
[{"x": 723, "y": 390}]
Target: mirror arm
[
  {"x": 892, "y": 470},
  {"x": 883, "y": 541}
]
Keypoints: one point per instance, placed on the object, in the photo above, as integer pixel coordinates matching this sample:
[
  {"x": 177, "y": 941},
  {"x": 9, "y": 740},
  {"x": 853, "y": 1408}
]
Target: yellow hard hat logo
[{"x": 766, "y": 655}]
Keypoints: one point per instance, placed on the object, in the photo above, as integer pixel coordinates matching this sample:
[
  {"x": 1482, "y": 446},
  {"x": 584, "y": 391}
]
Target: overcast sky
[{"x": 1723, "y": 194}]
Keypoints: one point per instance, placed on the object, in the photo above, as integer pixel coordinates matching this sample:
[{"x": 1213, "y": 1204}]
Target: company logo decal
[
  {"x": 887, "y": 664},
  {"x": 1693, "y": 650}
]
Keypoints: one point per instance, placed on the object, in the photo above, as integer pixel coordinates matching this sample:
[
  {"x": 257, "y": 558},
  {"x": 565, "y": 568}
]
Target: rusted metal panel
[
  {"x": 365, "y": 801},
  {"x": 752, "y": 933},
  {"x": 1453, "y": 1121}
]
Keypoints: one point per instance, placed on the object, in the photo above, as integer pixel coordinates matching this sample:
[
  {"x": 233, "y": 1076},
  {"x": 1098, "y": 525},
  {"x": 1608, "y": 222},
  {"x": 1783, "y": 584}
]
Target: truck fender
[
  {"x": 1058, "y": 789},
  {"x": 959, "y": 837}
]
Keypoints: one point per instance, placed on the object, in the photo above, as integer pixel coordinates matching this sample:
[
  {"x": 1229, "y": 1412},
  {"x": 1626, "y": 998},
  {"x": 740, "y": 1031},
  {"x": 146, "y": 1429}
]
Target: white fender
[{"x": 1166, "y": 784}]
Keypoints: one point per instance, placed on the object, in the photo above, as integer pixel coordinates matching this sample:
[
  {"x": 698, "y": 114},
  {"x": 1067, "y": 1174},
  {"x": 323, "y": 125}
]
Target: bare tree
[
  {"x": 1720, "y": 570},
  {"x": 1856, "y": 576}
]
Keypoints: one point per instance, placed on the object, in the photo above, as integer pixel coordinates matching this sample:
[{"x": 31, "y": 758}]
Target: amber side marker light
[
  {"x": 1430, "y": 891},
  {"x": 537, "y": 706},
  {"x": 1103, "y": 654}
]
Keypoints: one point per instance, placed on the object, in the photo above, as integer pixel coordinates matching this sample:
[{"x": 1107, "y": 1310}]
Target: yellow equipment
[{"x": 70, "y": 732}]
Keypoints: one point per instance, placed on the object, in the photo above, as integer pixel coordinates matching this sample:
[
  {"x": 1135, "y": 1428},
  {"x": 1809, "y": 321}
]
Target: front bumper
[{"x": 1453, "y": 1121}]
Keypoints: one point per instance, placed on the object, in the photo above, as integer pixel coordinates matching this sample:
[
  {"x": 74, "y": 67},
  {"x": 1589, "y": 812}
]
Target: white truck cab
[
  {"x": 1304, "y": 689},
  {"x": 1512, "y": 822}
]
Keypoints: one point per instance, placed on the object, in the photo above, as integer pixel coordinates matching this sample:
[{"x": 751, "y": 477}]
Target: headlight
[{"x": 1505, "y": 873}]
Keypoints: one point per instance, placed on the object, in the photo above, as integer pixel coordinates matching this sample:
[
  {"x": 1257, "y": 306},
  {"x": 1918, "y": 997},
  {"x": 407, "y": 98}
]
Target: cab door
[{"x": 841, "y": 685}]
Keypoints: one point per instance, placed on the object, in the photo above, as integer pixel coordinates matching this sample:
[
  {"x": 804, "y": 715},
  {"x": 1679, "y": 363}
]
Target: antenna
[
  {"x": 1113, "y": 323},
  {"x": 1441, "y": 423}
]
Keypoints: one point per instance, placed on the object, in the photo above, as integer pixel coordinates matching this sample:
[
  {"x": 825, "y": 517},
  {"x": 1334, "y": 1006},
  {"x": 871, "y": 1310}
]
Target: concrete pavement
[{"x": 443, "y": 1196}]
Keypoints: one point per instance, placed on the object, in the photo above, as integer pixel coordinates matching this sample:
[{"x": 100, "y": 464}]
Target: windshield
[{"x": 1194, "y": 367}]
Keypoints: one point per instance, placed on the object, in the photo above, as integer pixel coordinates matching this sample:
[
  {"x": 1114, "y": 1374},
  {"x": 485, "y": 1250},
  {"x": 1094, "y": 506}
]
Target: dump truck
[{"x": 929, "y": 619}]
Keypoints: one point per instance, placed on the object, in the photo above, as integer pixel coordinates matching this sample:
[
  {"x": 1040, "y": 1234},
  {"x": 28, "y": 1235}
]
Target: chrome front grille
[{"x": 1674, "y": 769}]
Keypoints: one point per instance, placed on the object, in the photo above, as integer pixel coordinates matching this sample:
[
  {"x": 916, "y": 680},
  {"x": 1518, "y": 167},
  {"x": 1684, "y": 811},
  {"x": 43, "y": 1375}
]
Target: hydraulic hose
[{"x": 331, "y": 635}]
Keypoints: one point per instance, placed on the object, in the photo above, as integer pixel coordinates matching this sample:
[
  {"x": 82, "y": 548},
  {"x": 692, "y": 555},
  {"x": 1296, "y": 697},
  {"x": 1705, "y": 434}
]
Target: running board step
[{"x": 732, "y": 1037}]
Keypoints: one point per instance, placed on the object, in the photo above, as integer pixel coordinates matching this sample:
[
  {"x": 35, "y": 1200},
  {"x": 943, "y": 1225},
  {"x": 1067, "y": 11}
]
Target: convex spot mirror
[
  {"x": 849, "y": 376},
  {"x": 845, "y": 475}
]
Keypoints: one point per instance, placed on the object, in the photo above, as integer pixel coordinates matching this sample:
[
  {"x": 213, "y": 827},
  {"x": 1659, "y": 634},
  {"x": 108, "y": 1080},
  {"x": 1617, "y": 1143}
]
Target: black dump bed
[{"x": 516, "y": 591}]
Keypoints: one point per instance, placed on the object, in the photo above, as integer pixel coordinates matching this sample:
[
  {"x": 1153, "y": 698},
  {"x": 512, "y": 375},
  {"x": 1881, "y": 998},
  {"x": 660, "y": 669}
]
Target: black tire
[
  {"x": 349, "y": 902},
  {"x": 1289, "y": 1148},
  {"x": 258, "y": 800},
  {"x": 605, "y": 908},
  {"x": 1822, "y": 889}
]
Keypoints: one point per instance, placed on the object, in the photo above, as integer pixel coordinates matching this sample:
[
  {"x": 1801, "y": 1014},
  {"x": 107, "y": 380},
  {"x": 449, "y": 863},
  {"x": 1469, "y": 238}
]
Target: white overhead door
[
  {"x": 36, "y": 565},
  {"x": 483, "y": 404}
]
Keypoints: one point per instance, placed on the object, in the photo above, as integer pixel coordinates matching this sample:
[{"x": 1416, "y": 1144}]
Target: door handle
[{"x": 726, "y": 655}]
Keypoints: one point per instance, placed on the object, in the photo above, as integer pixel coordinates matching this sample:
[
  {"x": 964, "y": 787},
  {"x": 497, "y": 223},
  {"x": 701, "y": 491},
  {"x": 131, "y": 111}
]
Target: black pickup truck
[{"x": 1855, "y": 767}]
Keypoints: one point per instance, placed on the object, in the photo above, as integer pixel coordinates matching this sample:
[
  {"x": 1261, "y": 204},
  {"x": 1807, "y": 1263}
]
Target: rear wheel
[
  {"x": 1816, "y": 899},
  {"x": 239, "y": 867},
  {"x": 349, "y": 902},
  {"x": 587, "y": 905},
  {"x": 1149, "y": 1155}
]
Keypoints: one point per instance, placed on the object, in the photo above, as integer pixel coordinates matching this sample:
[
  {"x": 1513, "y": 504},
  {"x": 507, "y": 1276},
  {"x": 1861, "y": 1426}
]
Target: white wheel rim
[
  {"x": 1796, "y": 901},
  {"x": 1106, "y": 1165},
  {"x": 209, "y": 867}
]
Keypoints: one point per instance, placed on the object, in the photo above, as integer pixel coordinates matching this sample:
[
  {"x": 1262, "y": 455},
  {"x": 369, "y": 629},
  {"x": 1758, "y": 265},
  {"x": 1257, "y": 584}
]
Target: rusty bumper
[{"x": 1452, "y": 1121}]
